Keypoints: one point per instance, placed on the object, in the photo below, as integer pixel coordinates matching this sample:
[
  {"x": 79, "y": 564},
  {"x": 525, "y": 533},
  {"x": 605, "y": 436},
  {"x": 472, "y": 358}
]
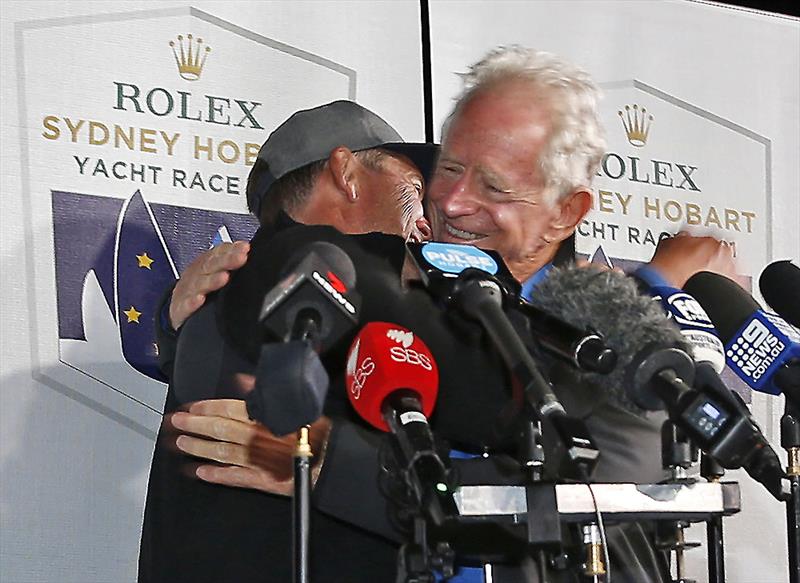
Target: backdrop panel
[
  {"x": 713, "y": 92},
  {"x": 126, "y": 149},
  {"x": 128, "y": 133}
]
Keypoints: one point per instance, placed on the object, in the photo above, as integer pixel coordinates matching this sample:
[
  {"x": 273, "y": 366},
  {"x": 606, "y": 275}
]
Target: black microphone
[
  {"x": 314, "y": 297},
  {"x": 780, "y": 285},
  {"x": 583, "y": 348},
  {"x": 439, "y": 265},
  {"x": 310, "y": 309},
  {"x": 610, "y": 303},
  {"x": 656, "y": 372},
  {"x": 479, "y": 296}
]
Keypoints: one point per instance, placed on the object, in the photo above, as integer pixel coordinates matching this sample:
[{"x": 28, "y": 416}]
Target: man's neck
[{"x": 525, "y": 269}]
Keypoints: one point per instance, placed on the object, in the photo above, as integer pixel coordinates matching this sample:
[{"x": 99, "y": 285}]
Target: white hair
[{"x": 577, "y": 143}]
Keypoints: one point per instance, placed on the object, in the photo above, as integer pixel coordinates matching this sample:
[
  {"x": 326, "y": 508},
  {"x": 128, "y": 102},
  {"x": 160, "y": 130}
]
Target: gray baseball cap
[{"x": 310, "y": 135}]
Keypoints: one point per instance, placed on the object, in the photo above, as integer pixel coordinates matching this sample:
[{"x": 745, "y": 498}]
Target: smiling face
[{"x": 487, "y": 189}]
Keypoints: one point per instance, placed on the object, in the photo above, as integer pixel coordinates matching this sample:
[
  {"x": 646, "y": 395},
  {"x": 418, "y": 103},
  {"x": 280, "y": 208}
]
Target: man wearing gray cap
[
  {"x": 331, "y": 143},
  {"x": 341, "y": 165}
]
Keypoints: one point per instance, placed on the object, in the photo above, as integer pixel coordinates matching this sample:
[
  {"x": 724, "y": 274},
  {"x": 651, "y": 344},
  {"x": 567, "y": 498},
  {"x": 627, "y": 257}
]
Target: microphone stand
[
  {"x": 677, "y": 455},
  {"x": 306, "y": 328},
  {"x": 787, "y": 378},
  {"x": 532, "y": 461},
  {"x": 712, "y": 471},
  {"x": 790, "y": 440},
  {"x": 301, "y": 505}
]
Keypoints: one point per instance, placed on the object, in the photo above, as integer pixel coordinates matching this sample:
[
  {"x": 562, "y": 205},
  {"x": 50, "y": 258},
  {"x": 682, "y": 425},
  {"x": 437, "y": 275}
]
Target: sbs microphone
[
  {"x": 780, "y": 285},
  {"x": 392, "y": 381},
  {"x": 384, "y": 360},
  {"x": 760, "y": 347}
]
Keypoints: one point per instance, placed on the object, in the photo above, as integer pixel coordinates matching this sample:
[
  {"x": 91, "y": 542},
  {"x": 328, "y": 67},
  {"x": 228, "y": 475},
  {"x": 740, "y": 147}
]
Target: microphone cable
[{"x": 602, "y": 528}]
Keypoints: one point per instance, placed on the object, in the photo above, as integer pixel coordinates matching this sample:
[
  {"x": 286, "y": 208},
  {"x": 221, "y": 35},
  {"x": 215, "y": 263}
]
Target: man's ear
[
  {"x": 343, "y": 166},
  {"x": 570, "y": 211}
]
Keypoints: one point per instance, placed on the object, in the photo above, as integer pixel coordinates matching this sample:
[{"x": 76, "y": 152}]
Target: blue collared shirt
[{"x": 530, "y": 284}]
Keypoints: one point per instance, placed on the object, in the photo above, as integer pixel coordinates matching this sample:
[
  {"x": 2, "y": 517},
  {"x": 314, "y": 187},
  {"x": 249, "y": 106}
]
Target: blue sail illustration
[{"x": 143, "y": 270}]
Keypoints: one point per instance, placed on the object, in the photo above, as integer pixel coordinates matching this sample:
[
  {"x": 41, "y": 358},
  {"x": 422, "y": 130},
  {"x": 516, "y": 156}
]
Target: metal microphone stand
[
  {"x": 301, "y": 505},
  {"x": 787, "y": 378},
  {"x": 712, "y": 471},
  {"x": 306, "y": 328},
  {"x": 790, "y": 440},
  {"x": 677, "y": 454},
  {"x": 532, "y": 462}
]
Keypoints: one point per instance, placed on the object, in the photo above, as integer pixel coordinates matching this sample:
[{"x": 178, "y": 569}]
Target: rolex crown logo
[
  {"x": 190, "y": 56},
  {"x": 637, "y": 123}
]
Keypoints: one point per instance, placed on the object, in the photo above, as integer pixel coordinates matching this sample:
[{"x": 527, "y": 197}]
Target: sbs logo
[
  {"x": 410, "y": 356},
  {"x": 404, "y": 337},
  {"x": 360, "y": 376}
]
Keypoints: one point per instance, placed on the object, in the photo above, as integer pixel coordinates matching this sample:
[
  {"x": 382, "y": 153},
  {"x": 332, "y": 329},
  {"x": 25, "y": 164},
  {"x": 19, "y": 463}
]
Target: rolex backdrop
[
  {"x": 702, "y": 116},
  {"x": 128, "y": 132}
]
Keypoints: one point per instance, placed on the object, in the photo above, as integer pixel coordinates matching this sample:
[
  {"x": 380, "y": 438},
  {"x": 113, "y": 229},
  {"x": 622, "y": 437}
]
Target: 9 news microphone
[
  {"x": 392, "y": 381},
  {"x": 780, "y": 285},
  {"x": 309, "y": 310},
  {"x": 760, "y": 347}
]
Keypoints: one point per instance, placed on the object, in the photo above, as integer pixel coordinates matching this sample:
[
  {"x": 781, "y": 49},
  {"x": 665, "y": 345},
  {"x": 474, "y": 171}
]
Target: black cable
[
  {"x": 603, "y": 540},
  {"x": 427, "y": 79}
]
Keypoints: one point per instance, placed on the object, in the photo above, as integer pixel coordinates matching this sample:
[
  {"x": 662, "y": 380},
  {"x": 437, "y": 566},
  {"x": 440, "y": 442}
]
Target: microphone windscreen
[
  {"x": 726, "y": 302},
  {"x": 609, "y": 303},
  {"x": 291, "y": 386},
  {"x": 780, "y": 286},
  {"x": 384, "y": 358}
]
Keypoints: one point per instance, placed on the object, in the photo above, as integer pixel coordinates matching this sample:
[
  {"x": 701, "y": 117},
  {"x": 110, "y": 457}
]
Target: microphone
[
  {"x": 760, "y": 347},
  {"x": 440, "y": 264},
  {"x": 610, "y": 303},
  {"x": 479, "y": 296},
  {"x": 478, "y": 284},
  {"x": 693, "y": 322},
  {"x": 656, "y": 372},
  {"x": 780, "y": 285},
  {"x": 392, "y": 381},
  {"x": 313, "y": 298},
  {"x": 307, "y": 312}
]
